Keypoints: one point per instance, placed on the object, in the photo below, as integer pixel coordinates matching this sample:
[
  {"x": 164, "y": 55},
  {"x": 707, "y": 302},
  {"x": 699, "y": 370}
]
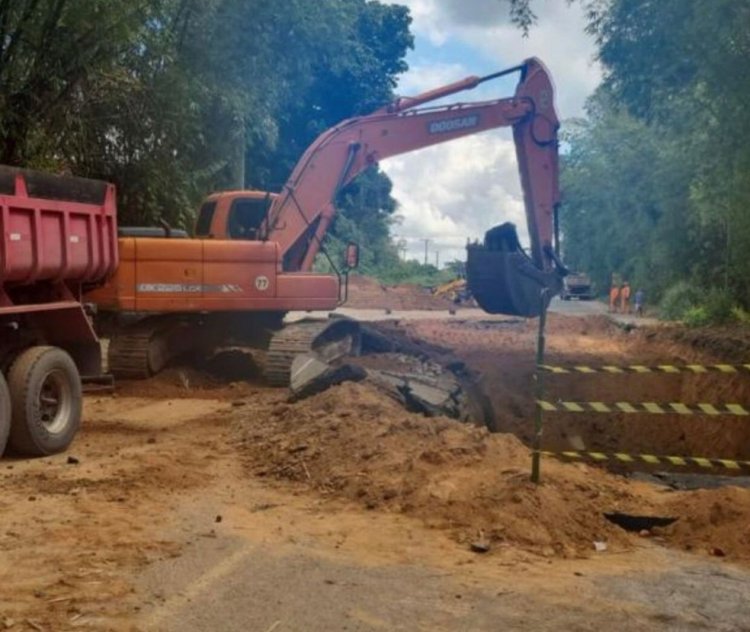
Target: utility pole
[
  {"x": 426, "y": 243},
  {"x": 401, "y": 247},
  {"x": 437, "y": 259},
  {"x": 237, "y": 163}
]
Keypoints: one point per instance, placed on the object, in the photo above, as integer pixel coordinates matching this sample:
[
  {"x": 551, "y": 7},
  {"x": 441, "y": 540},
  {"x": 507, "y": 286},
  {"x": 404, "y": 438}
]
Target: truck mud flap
[{"x": 504, "y": 280}]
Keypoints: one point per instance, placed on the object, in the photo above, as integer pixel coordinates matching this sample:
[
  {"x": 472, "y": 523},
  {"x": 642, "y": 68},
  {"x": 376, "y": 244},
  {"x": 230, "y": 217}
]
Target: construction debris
[
  {"x": 422, "y": 378},
  {"x": 310, "y": 376},
  {"x": 636, "y": 523}
]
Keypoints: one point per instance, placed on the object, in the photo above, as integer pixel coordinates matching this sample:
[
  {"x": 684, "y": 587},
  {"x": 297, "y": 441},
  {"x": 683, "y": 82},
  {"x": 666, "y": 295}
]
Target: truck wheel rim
[{"x": 55, "y": 402}]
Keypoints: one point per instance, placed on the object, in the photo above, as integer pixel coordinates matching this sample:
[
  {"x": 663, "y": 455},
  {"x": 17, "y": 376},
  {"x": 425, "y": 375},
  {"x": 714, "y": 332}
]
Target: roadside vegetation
[{"x": 657, "y": 176}]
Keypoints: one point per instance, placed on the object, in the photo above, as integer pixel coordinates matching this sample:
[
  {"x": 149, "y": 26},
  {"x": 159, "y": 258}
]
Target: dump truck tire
[
  {"x": 4, "y": 413},
  {"x": 46, "y": 401}
]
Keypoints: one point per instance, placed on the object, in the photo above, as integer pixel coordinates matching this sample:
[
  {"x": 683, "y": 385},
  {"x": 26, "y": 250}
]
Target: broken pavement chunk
[
  {"x": 306, "y": 368},
  {"x": 310, "y": 376},
  {"x": 638, "y": 523},
  {"x": 480, "y": 546},
  {"x": 431, "y": 400}
]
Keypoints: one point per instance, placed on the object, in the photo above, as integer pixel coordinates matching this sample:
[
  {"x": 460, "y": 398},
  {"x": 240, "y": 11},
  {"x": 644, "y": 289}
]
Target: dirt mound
[
  {"x": 368, "y": 293},
  {"x": 731, "y": 343},
  {"x": 185, "y": 382},
  {"x": 715, "y": 521},
  {"x": 351, "y": 442}
]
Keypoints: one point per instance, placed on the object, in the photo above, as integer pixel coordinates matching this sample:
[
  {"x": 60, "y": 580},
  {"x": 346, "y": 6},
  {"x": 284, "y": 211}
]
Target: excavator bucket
[{"x": 504, "y": 280}]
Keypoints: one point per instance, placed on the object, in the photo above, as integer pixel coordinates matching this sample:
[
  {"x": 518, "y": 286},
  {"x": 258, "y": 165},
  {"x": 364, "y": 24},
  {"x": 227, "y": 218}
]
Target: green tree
[
  {"x": 657, "y": 177},
  {"x": 165, "y": 97},
  {"x": 50, "y": 52}
]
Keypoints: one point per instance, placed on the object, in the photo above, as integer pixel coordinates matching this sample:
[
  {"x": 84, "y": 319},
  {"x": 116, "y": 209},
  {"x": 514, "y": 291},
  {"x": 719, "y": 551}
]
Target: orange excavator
[{"x": 250, "y": 260}]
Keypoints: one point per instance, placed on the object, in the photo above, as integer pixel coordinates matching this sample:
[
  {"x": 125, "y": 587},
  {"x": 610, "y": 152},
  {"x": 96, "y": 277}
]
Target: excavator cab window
[
  {"x": 245, "y": 218},
  {"x": 205, "y": 219}
]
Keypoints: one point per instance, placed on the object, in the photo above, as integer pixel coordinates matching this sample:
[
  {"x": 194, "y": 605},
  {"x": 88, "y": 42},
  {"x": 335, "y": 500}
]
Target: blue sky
[
  {"x": 457, "y": 190},
  {"x": 453, "y": 54}
]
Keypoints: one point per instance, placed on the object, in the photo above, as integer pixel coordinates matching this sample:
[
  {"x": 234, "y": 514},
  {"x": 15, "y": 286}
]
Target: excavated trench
[
  {"x": 504, "y": 355},
  {"x": 360, "y": 442}
]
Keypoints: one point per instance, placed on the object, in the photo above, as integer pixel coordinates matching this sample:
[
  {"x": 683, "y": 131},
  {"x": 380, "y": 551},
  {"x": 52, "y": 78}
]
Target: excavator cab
[
  {"x": 235, "y": 215},
  {"x": 504, "y": 280}
]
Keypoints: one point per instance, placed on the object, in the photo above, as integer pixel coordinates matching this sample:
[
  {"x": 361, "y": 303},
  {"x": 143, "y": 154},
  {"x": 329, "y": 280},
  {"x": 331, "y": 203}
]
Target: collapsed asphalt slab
[{"x": 422, "y": 378}]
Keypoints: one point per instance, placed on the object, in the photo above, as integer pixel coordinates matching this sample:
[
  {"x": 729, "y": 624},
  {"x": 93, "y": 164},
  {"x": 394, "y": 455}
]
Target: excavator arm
[{"x": 302, "y": 213}]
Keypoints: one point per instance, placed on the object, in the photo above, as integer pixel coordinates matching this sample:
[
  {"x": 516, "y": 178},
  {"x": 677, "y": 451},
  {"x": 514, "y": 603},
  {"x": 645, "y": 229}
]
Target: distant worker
[
  {"x": 639, "y": 302},
  {"x": 614, "y": 293},
  {"x": 625, "y": 298}
]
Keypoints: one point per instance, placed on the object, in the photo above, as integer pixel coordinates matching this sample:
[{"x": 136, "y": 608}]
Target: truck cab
[{"x": 578, "y": 285}]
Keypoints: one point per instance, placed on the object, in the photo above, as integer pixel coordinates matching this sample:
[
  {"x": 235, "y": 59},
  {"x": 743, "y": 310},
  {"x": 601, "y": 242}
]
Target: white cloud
[
  {"x": 439, "y": 19},
  {"x": 428, "y": 19},
  {"x": 423, "y": 77},
  {"x": 559, "y": 41},
  {"x": 453, "y": 192},
  {"x": 458, "y": 190}
]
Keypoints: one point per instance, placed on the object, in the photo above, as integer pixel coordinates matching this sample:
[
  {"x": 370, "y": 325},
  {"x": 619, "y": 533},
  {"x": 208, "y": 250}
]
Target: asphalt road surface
[{"x": 558, "y": 306}]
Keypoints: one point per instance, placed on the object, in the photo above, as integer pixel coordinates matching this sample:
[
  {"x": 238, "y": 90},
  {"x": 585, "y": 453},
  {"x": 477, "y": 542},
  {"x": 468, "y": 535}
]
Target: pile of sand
[
  {"x": 185, "y": 382},
  {"x": 351, "y": 442},
  {"x": 355, "y": 444},
  {"x": 712, "y": 521}
]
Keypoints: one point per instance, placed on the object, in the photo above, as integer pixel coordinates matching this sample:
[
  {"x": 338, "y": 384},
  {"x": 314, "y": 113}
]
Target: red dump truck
[{"x": 58, "y": 238}]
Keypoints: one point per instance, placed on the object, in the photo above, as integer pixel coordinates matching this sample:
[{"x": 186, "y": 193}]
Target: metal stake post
[{"x": 539, "y": 390}]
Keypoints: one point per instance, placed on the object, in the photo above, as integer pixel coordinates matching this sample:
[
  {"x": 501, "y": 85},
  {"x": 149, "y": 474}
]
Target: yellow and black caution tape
[
  {"x": 640, "y": 368},
  {"x": 650, "y": 459},
  {"x": 644, "y": 407}
]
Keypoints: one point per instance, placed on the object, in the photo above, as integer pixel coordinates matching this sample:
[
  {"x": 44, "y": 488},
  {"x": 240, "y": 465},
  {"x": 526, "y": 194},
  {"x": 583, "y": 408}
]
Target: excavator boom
[{"x": 301, "y": 215}]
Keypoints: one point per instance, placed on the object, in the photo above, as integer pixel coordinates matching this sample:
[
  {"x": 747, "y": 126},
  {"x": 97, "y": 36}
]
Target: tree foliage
[
  {"x": 657, "y": 179},
  {"x": 168, "y": 98},
  {"x": 49, "y": 52}
]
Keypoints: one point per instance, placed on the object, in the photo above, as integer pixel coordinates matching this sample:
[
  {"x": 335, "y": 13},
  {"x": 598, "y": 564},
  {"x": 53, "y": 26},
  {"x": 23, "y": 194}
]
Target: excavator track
[
  {"x": 144, "y": 349},
  {"x": 327, "y": 340},
  {"x": 128, "y": 355}
]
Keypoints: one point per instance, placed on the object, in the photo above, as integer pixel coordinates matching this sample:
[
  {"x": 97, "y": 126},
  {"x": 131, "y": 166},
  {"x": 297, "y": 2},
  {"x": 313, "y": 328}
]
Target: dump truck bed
[
  {"x": 58, "y": 236},
  {"x": 55, "y": 228}
]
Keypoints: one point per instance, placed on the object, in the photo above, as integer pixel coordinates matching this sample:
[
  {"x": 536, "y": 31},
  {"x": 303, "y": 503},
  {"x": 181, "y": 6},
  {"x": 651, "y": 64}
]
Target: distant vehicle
[
  {"x": 456, "y": 291},
  {"x": 577, "y": 285}
]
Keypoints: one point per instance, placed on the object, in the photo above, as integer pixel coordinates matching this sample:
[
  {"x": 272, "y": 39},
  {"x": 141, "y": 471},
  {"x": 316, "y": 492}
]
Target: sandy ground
[{"x": 194, "y": 505}]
